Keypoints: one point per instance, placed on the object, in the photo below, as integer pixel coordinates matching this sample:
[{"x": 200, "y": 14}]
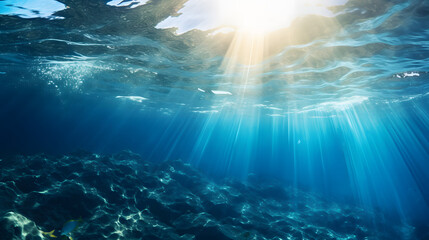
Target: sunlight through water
[{"x": 307, "y": 118}]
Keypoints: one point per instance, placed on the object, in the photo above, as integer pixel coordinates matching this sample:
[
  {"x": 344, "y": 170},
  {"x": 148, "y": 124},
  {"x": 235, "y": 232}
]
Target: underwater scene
[{"x": 214, "y": 119}]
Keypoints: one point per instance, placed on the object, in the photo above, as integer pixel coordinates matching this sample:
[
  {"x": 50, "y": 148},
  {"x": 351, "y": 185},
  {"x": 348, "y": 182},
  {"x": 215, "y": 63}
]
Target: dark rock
[
  {"x": 220, "y": 211},
  {"x": 123, "y": 197},
  {"x": 8, "y": 195},
  {"x": 126, "y": 155},
  {"x": 27, "y": 184},
  {"x": 211, "y": 233}
]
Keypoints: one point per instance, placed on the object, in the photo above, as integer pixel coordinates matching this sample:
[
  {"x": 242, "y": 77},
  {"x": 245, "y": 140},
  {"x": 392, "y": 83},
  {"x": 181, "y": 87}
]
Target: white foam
[
  {"x": 217, "y": 92},
  {"x": 274, "y": 108},
  {"x": 259, "y": 105},
  {"x": 411, "y": 74},
  {"x": 206, "y": 111},
  {"x": 133, "y": 98},
  {"x": 406, "y": 74},
  {"x": 132, "y": 3}
]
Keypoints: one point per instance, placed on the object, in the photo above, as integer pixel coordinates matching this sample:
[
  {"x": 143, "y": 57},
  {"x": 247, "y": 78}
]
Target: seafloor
[{"x": 124, "y": 197}]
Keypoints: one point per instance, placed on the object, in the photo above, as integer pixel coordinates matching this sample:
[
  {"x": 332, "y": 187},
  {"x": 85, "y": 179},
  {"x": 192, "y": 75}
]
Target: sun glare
[
  {"x": 257, "y": 16},
  {"x": 256, "y": 29},
  {"x": 261, "y": 28}
]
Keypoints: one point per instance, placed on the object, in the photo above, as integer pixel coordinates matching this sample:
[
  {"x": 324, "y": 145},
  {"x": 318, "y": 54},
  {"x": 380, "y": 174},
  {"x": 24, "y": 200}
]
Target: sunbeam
[{"x": 214, "y": 119}]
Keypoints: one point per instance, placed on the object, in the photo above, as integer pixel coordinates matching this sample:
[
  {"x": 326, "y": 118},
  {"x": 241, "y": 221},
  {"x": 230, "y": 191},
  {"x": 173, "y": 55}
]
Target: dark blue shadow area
[{"x": 35, "y": 121}]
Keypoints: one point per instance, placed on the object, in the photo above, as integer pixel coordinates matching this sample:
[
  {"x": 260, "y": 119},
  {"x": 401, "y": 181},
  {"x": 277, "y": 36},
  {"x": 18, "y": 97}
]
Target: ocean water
[{"x": 153, "y": 120}]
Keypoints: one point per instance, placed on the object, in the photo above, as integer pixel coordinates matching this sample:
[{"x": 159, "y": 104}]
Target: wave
[{"x": 364, "y": 49}]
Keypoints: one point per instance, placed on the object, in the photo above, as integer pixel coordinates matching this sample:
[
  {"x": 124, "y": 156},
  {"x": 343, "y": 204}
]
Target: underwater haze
[{"x": 214, "y": 119}]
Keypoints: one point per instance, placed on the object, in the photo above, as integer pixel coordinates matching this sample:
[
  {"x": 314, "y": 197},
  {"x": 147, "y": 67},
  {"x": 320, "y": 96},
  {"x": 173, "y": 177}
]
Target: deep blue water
[{"x": 338, "y": 106}]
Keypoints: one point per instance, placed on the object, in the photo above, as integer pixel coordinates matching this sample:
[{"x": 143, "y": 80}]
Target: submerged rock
[
  {"x": 14, "y": 226},
  {"x": 124, "y": 197}
]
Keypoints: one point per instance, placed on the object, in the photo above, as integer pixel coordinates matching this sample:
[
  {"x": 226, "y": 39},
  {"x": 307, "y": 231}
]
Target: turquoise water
[{"x": 336, "y": 103}]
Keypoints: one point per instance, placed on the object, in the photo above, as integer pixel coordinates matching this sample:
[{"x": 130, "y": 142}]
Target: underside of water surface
[{"x": 240, "y": 119}]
